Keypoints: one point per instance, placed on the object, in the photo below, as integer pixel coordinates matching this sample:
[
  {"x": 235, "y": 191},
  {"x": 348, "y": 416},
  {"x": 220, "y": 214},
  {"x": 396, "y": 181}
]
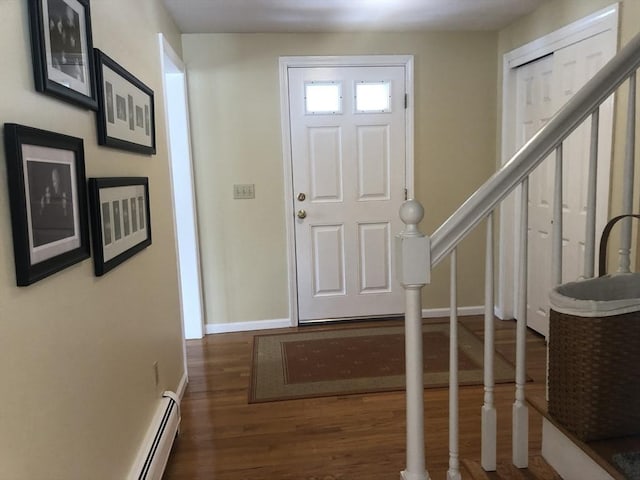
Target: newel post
[{"x": 413, "y": 270}]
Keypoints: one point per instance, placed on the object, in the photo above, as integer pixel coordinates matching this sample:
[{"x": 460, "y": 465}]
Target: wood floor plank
[{"x": 350, "y": 437}]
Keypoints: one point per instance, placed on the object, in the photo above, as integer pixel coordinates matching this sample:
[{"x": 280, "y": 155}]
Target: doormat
[{"x": 360, "y": 360}]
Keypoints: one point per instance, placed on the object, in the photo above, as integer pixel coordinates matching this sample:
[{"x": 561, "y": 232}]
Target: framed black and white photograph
[
  {"x": 125, "y": 108},
  {"x": 62, "y": 50},
  {"x": 47, "y": 196},
  {"x": 120, "y": 220}
]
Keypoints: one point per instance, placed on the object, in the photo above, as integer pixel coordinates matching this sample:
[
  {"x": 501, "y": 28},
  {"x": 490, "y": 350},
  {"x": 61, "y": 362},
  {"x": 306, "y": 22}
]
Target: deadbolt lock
[{"x": 302, "y": 197}]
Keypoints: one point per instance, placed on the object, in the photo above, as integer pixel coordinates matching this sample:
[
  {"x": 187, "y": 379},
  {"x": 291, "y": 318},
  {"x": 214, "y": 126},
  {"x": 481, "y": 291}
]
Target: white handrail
[{"x": 568, "y": 118}]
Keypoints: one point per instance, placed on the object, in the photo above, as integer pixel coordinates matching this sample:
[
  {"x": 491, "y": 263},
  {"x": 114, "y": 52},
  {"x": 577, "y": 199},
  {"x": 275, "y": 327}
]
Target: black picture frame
[
  {"x": 62, "y": 50},
  {"x": 126, "y": 113},
  {"x": 48, "y": 201},
  {"x": 120, "y": 220}
]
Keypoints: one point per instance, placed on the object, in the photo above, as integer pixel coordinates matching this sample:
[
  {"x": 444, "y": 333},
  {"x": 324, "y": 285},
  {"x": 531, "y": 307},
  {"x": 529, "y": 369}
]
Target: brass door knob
[{"x": 302, "y": 214}]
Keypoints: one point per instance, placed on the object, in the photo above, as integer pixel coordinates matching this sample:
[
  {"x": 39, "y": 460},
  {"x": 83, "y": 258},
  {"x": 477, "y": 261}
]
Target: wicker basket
[{"x": 594, "y": 354}]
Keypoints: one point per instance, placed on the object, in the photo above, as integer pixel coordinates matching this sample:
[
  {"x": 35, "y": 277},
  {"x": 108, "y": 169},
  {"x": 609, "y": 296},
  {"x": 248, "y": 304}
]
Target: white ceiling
[{"x": 249, "y": 16}]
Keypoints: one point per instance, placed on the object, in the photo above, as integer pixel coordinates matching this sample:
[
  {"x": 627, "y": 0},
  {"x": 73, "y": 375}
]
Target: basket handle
[{"x": 602, "y": 256}]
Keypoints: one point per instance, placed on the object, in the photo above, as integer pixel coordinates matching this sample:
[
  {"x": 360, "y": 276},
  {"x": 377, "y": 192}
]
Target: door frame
[
  {"x": 185, "y": 221},
  {"x": 285, "y": 63},
  {"x": 593, "y": 24}
]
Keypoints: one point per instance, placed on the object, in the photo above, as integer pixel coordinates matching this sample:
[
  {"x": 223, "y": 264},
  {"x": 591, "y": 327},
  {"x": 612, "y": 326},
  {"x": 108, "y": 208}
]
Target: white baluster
[
  {"x": 413, "y": 264},
  {"x": 627, "y": 178},
  {"x": 416, "y": 463},
  {"x": 489, "y": 422},
  {"x": 454, "y": 456},
  {"x": 592, "y": 193},
  {"x": 520, "y": 436},
  {"x": 556, "y": 247}
]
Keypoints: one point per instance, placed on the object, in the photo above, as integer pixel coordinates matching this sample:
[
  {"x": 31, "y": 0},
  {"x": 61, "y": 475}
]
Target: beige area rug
[{"x": 359, "y": 360}]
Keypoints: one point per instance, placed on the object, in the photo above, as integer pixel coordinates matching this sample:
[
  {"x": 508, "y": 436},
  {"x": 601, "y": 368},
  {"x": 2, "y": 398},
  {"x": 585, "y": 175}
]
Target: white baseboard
[
  {"x": 500, "y": 314},
  {"x": 444, "y": 312},
  {"x": 566, "y": 457},
  {"x": 211, "y": 328},
  {"x": 182, "y": 385}
]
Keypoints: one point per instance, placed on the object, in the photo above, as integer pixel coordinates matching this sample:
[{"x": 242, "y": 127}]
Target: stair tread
[
  {"x": 538, "y": 469},
  {"x": 542, "y": 470},
  {"x": 475, "y": 470}
]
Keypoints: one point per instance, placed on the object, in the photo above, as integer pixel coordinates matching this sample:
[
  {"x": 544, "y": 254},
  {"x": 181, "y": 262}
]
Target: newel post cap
[
  {"x": 413, "y": 248},
  {"x": 411, "y": 214}
]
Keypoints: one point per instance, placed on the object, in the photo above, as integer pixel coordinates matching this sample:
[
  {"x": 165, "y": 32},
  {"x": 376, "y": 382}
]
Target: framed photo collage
[{"x": 49, "y": 200}]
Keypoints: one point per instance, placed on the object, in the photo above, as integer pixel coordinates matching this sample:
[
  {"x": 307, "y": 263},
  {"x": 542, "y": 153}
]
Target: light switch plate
[{"x": 244, "y": 191}]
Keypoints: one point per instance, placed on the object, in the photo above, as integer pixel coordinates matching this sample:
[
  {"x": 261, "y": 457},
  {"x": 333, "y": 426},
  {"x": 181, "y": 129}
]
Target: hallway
[{"x": 333, "y": 438}]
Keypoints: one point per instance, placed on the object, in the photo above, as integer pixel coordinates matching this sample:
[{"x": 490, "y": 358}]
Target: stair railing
[{"x": 417, "y": 255}]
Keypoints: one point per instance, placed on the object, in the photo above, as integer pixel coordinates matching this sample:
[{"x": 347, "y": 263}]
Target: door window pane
[
  {"x": 373, "y": 97},
  {"x": 323, "y": 97}
]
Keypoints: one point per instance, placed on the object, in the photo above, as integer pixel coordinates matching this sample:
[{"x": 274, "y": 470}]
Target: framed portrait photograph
[
  {"x": 62, "y": 50},
  {"x": 48, "y": 202},
  {"x": 126, "y": 117},
  {"x": 120, "y": 220}
]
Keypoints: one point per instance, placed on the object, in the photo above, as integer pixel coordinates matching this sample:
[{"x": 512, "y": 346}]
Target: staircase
[{"x": 417, "y": 254}]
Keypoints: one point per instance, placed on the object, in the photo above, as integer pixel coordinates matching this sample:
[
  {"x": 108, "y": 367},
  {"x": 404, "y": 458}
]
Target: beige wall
[
  {"x": 76, "y": 351},
  {"x": 552, "y": 16},
  {"x": 235, "y": 118}
]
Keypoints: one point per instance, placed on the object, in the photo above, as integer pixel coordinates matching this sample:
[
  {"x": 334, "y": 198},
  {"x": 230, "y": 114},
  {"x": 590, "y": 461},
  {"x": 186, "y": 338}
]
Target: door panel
[
  {"x": 328, "y": 260},
  {"x": 350, "y": 165},
  {"x": 325, "y": 164},
  {"x": 544, "y": 86},
  {"x": 373, "y": 162},
  {"x": 375, "y": 275},
  {"x": 575, "y": 65},
  {"x": 535, "y": 108}
]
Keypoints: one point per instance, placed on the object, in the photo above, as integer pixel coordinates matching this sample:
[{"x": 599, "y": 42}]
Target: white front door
[
  {"x": 543, "y": 87},
  {"x": 348, "y": 134}
]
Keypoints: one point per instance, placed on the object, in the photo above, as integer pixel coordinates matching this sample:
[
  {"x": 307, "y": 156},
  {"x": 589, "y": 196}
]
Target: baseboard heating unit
[{"x": 156, "y": 448}]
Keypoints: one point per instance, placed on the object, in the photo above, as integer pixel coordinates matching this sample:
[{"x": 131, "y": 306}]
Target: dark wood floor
[{"x": 350, "y": 437}]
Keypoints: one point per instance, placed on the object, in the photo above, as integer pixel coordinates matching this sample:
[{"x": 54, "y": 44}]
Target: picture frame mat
[
  {"x": 55, "y": 156},
  {"x": 121, "y": 129},
  {"x": 57, "y": 75},
  {"x": 126, "y": 242}
]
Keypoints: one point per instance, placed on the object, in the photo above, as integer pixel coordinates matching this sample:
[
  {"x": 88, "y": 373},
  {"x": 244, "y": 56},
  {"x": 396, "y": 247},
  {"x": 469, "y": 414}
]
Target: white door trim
[
  {"x": 332, "y": 61},
  {"x": 598, "y": 22},
  {"x": 185, "y": 222}
]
